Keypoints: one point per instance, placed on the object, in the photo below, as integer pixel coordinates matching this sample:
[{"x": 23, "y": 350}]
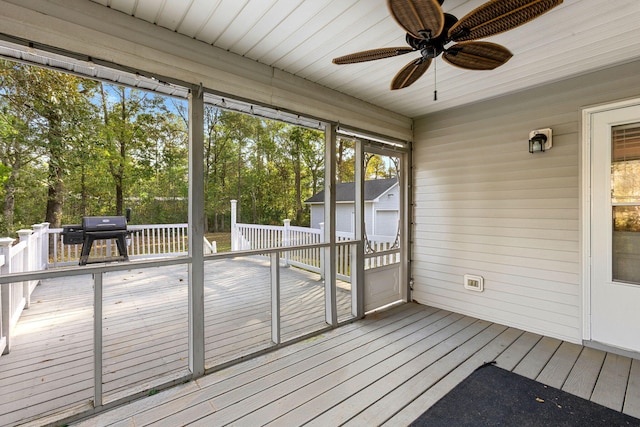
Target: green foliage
[{"x": 71, "y": 147}]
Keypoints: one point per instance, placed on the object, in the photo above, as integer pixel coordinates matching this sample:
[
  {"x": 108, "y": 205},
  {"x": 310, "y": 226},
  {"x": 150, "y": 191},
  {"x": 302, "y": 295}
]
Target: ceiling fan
[{"x": 429, "y": 31}]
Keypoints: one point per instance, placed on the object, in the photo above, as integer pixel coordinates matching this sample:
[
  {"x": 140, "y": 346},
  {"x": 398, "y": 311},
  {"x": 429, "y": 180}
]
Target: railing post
[
  {"x": 40, "y": 231},
  {"x": 108, "y": 248},
  {"x": 54, "y": 238},
  {"x": 5, "y": 293},
  {"x": 29, "y": 253},
  {"x": 286, "y": 240},
  {"x": 234, "y": 231},
  {"x": 45, "y": 244},
  {"x": 321, "y": 251}
]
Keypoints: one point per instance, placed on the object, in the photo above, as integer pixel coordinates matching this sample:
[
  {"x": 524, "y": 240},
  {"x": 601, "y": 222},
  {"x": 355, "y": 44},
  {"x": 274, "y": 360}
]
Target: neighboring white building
[{"x": 382, "y": 201}]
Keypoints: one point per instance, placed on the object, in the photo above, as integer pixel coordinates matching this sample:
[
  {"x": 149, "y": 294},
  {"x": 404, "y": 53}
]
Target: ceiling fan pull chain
[{"x": 435, "y": 81}]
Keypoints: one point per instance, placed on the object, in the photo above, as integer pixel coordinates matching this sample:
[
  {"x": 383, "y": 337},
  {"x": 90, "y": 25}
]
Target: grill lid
[{"x": 104, "y": 223}]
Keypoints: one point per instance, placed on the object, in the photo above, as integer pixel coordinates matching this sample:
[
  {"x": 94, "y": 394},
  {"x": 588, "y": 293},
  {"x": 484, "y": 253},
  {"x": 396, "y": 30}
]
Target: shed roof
[{"x": 345, "y": 191}]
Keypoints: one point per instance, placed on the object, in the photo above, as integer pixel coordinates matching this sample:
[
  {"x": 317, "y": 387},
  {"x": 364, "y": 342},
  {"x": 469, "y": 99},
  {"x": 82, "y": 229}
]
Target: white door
[{"x": 615, "y": 227}]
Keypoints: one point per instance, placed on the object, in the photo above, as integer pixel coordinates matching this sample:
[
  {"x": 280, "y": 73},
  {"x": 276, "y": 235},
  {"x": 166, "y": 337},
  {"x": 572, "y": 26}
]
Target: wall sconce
[{"x": 540, "y": 140}]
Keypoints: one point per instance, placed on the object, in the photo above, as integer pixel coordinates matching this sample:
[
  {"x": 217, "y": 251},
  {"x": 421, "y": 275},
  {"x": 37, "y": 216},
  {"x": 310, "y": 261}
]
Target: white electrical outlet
[{"x": 473, "y": 283}]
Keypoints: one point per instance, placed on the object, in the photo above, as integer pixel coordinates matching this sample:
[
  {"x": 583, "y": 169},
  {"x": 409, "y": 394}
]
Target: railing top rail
[
  {"x": 18, "y": 247},
  {"x": 250, "y": 252},
  {"x": 382, "y": 253},
  {"x": 260, "y": 226},
  {"x": 135, "y": 227},
  {"x": 305, "y": 229},
  {"x": 145, "y": 226},
  {"x": 104, "y": 268},
  {"x": 94, "y": 269}
]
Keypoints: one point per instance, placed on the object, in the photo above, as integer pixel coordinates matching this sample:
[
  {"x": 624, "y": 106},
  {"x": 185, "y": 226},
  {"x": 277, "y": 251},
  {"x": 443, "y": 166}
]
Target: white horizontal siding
[
  {"x": 484, "y": 205},
  {"x": 344, "y": 217}
]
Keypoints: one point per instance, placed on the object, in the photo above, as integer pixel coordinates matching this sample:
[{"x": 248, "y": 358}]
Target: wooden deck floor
[
  {"x": 383, "y": 370},
  {"x": 50, "y": 368}
]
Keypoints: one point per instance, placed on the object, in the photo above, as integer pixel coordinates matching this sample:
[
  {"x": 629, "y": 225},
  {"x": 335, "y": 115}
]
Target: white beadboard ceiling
[{"x": 302, "y": 36}]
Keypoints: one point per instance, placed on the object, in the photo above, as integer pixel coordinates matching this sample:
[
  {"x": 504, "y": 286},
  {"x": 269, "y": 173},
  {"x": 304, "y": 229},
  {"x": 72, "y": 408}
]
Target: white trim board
[{"x": 585, "y": 204}]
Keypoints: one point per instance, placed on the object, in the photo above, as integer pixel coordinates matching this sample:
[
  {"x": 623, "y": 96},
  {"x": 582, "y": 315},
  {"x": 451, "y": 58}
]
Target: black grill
[{"x": 97, "y": 228}]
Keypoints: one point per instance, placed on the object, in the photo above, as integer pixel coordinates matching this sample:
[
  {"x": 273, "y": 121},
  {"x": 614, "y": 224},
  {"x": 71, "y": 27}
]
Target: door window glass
[{"x": 625, "y": 202}]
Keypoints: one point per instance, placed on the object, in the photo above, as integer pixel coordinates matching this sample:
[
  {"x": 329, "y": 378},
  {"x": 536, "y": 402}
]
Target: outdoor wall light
[{"x": 540, "y": 140}]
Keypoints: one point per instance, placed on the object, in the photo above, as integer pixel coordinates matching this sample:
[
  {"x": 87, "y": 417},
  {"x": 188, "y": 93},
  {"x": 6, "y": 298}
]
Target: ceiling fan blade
[
  {"x": 477, "y": 55},
  {"x": 370, "y": 55},
  {"x": 497, "y": 16},
  {"x": 418, "y": 17},
  {"x": 410, "y": 73}
]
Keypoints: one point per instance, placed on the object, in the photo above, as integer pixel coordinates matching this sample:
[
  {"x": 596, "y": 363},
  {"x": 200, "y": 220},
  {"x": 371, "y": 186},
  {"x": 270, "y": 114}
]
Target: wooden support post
[
  {"x": 29, "y": 254},
  {"x": 405, "y": 186},
  {"x": 322, "y": 251},
  {"x": 97, "y": 340},
  {"x": 286, "y": 240},
  {"x": 196, "y": 231},
  {"x": 42, "y": 230},
  {"x": 275, "y": 298},
  {"x": 234, "y": 227},
  {"x": 331, "y": 315},
  {"x": 5, "y": 293},
  {"x": 357, "y": 254}
]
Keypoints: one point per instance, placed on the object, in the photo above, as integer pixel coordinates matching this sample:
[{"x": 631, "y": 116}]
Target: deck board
[
  {"x": 379, "y": 403},
  {"x": 584, "y": 374},
  {"x": 517, "y": 350},
  {"x": 429, "y": 397},
  {"x": 559, "y": 366},
  {"x": 385, "y": 369},
  {"x": 323, "y": 375},
  {"x": 319, "y": 396},
  {"x": 632, "y": 397},
  {"x": 612, "y": 382},
  {"x": 533, "y": 363}
]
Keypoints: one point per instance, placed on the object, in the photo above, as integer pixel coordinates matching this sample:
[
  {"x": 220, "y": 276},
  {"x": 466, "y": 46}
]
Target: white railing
[
  {"x": 256, "y": 236},
  {"x": 380, "y": 249},
  {"x": 309, "y": 259},
  {"x": 29, "y": 254},
  {"x": 42, "y": 248},
  {"x": 145, "y": 241}
]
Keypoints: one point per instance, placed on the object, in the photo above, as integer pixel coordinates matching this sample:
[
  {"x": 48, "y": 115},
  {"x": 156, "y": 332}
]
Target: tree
[
  {"x": 50, "y": 109},
  {"x": 345, "y": 160},
  {"x": 72, "y": 147},
  {"x": 313, "y": 158},
  {"x": 14, "y": 153},
  {"x": 219, "y": 155},
  {"x": 161, "y": 178},
  {"x": 129, "y": 117},
  {"x": 307, "y": 158}
]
